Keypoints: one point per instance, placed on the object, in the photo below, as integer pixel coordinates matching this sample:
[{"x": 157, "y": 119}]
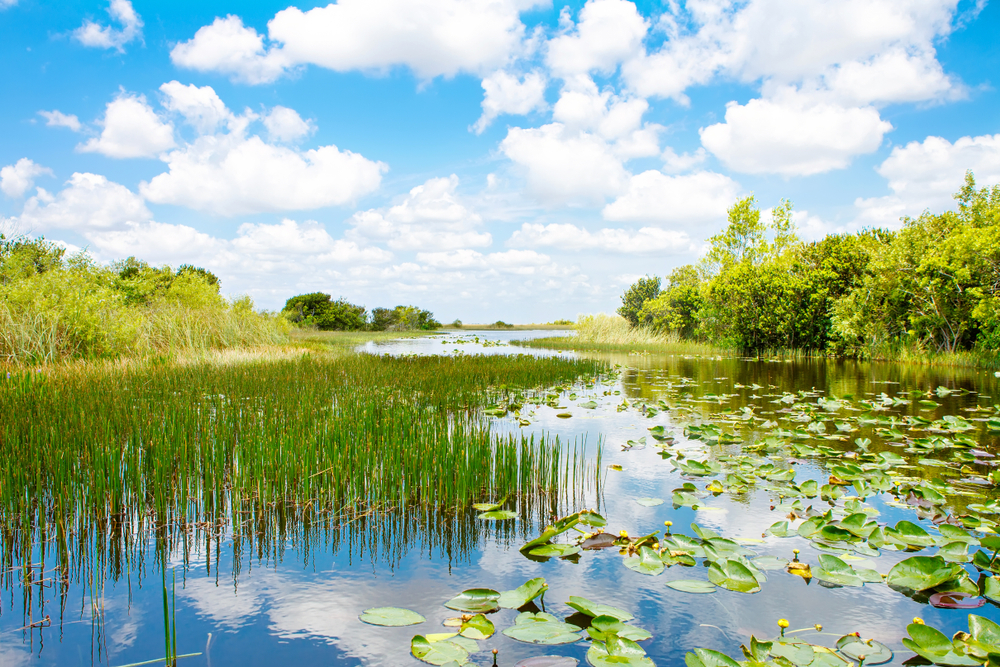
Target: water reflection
[{"x": 294, "y": 594}]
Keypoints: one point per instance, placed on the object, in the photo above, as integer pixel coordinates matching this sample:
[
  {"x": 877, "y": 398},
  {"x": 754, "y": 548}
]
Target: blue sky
[{"x": 486, "y": 159}]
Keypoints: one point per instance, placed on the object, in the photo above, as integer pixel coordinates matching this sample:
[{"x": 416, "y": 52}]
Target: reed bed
[
  {"x": 611, "y": 333},
  {"x": 375, "y": 454}
]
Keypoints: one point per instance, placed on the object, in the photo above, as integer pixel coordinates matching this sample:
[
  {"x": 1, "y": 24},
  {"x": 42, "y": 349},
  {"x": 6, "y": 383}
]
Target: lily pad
[
  {"x": 542, "y": 628},
  {"x": 477, "y": 627},
  {"x": 869, "y": 651},
  {"x": 603, "y": 627},
  {"x": 703, "y": 657},
  {"x": 475, "y": 600},
  {"x": 391, "y": 617},
  {"x": 769, "y": 563},
  {"x": 437, "y": 652},
  {"x": 599, "y": 541},
  {"x": 733, "y": 575},
  {"x": 835, "y": 571},
  {"x": 555, "y": 550},
  {"x": 548, "y": 661},
  {"x": 692, "y": 586},
  {"x": 920, "y": 573},
  {"x": 618, "y": 651},
  {"x": 497, "y": 515},
  {"x": 931, "y": 644},
  {"x": 523, "y": 594},
  {"x": 585, "y": 606},
  {"x": 647, "y": 561},
  {"x": 649, "y": 502},
  {"x": 956, "y": 600}
]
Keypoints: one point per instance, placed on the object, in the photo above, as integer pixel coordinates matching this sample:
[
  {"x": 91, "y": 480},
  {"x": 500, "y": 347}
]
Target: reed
[{"x": 373, "y": 454}]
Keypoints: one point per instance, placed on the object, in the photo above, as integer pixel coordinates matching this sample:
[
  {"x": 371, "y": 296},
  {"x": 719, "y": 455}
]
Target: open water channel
[{"x": 300, "y": 605}]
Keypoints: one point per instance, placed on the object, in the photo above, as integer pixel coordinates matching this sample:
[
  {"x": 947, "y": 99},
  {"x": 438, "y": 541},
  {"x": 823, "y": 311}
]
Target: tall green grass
[
  {"x": 611, "y": 333},
  {"x": 375, "y": 454}
]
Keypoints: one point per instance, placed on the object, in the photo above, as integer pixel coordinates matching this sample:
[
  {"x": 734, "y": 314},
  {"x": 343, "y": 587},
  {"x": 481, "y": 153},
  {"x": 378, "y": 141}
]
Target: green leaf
[
  {"x": 618, "y": 651},
  {"x": 437, "y": 652},
  {"x": 585, "y": 606},
  {"x": 769, "y": 563},
  {"x": 601, "y": 627},
  {"x": 555, "y": 550},
  {"x": 647, "y": 562},
  {"x": 703, "y": 657},
  {"x": 798, "y": 653},
  {"x": 542, "y": 628},
  {"x": 649, "y": 502},
  {"x": 920, "y": 573},
  {"x": 835, "y": 571},
  {"x": 391, "y": 617},
  {"x": 733, "y": 575},
  {"x": 523, "y": 594},
  {"x": 497, "y": 515},
  {"x": 869, "y": 651},
  {"x": 692, "y": 586},
  {"x": 475, "y": 600},
  {"x": 477, "y": 627}
]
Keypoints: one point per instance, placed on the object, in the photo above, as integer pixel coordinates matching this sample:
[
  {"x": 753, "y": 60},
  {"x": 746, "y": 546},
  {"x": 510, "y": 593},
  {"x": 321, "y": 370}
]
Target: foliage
[
  {"x": 319, "y": 310},
  {"x": 55, "y": 307},
  {"x": 639, "y": 293}
]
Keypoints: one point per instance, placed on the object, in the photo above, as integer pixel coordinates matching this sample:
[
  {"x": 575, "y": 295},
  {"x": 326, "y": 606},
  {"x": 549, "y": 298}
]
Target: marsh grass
[
  {"x": 611, "y": 333},
  {"x": 106, "y": 464}
]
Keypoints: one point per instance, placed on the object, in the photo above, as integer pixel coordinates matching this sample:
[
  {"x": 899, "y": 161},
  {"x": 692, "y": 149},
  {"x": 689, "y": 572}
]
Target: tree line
[
  {"x": 931, "y": 287},
  {"x": 319, "y": 310}
]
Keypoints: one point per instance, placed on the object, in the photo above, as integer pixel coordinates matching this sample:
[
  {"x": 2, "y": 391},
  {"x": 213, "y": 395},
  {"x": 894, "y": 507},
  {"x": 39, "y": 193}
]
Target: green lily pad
[
  {"x": 585, "y": 606},
  {"x": 475, "y": 600},
  {"x": 931, "y": 644},
  {"x": 437, "y": 652},
  {"x": 477, "y": 627},
  {"x": 649, "y": 502},
  {"x": 618, "y": 651},
  {"x": 703, "y": 657},
  {"x": 733, "y": 575},
  {"x": 692, "y": 586},
  {"x": 647, "y": 561},
  {"x": 869, "y": 651},
  {"x": 548, "y": 661},
  {"x": 555, "y": 550},
  {"x": 602, "y": 627},
  {"x": 391, "y": 617},
  {"x": 497, "y": 515},
  {"x": 835, "y": 571},
  {"x": 523, "y": 594},
  {"x": 769, "y": 563},
  {"x": 798, "y": 652},
  {"x": 542, "y": 628},
  {"x": 920, "y": 573}
]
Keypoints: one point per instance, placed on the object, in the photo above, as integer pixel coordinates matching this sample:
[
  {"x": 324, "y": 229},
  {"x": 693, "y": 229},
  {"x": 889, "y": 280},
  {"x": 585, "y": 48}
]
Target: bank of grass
[
  {"x": 610, "y": 333},
  {"x": 342, "y": 341}
]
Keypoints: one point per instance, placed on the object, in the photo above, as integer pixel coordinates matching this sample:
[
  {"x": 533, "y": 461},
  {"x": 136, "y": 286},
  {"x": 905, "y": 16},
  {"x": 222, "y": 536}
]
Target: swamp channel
[{"x": 458, "y": 499}]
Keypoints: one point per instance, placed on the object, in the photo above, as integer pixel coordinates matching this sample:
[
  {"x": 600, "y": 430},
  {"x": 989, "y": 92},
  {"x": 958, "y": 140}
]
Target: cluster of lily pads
[{"x": 613, "y": 641}]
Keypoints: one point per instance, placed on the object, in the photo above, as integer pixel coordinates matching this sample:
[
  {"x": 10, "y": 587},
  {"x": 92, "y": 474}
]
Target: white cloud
[
  {"x": 201, "y": 107},
  {"x": 18, "y": 178},
  {"x": 654, "y": 197},
  {"x": 563, "y": 166},
  {"x": 508, "y": 94},
  {"x": 106, "y": 37},
  {"x": 793, "y": 134},
  {"x": 131, "y": 129},
  {"x": 431, "y": 37},
  {"x": 430, "y": 217},
  {"x": 571, "y": 237},
  {"x": 674, "y": 163},
  {"x": 286, "y": 125},
  {"x": 5, "y": 4},
  {"x": 866, "y": 51},
  {"x": 233, "y": 174},
  {"x": 509, "y": 261},
  {"x": 608, "y": 32},
  {"x": 89, "y": 202},
  {"x": 926, "y": 174},
  {"x": 228, "y": 47},
  {"x": 288, "y": 241},
  {"x": 58, "y": 119}
]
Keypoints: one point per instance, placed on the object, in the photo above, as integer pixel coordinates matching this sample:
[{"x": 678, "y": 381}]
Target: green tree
[
  {"x": 641, "y": 291},
  {"x": 677, "y": 307}
]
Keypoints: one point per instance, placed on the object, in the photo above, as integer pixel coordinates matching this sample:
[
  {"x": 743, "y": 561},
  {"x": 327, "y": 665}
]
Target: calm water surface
[{"x": 298, "y": 602}]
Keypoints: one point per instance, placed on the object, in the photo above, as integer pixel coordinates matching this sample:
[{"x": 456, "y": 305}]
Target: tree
[
  {"x": 640, "y": 292},
  {"x": 319, "y": 310},
  {"x": 677, "y": 307}
]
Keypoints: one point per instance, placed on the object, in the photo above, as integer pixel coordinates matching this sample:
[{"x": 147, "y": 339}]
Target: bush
[
  {"x": 319, "y": 310},
  {"x": 639, "y": 293}
]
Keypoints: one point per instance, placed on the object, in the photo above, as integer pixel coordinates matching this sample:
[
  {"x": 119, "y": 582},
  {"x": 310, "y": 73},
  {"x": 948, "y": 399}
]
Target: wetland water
[{"x": 667, "y": 428}]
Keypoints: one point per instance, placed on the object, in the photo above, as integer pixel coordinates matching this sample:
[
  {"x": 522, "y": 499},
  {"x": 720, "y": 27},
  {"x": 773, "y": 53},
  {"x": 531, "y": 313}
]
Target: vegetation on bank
[
  {"x": 54, "y": 306},
  {"x": 927, "y": 290},
  {"x": 318, "y": 310}
]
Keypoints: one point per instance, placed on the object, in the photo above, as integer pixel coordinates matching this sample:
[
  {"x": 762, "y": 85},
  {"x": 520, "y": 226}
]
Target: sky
[{"x": 518, "y": 160}]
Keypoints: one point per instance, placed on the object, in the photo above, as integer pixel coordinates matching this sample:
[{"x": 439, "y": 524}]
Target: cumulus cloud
[
  {"x": 131, "y": 129},
  {"x": 431, "y": 37},
  {"x": 233, "y": 174},
  {"x": 430, "y": 217},
  {"x": 793, "y": 134},
  {"x": 89, "y": 202},
  {"x": 509, "y": 261},
  {"x": 508, "y": 94},
  {"x": 655, "y": 197},
  {"x": 107, "y": 37},
  {"x": 571, "y": 237},
  {"x": 18, "y": 178},
  {"x": 562, "y": 166},
  {"x": 5, "y": 4},
  {"x": 926, "y": 174},
  {"x": 286, "y": 125},
  {"x": 200, "y": 107},
  {"x": 58, "y": 119},
  {"x": 607, "y": 32}
]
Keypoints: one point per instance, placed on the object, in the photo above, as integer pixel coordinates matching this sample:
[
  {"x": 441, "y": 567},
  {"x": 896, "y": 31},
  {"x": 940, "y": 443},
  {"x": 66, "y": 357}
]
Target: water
[{"x": 299, "y": 603}]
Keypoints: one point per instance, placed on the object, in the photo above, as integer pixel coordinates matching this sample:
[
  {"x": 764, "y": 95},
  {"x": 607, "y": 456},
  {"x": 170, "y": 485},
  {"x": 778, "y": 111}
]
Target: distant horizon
[{"x": 512, "y": 160}]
